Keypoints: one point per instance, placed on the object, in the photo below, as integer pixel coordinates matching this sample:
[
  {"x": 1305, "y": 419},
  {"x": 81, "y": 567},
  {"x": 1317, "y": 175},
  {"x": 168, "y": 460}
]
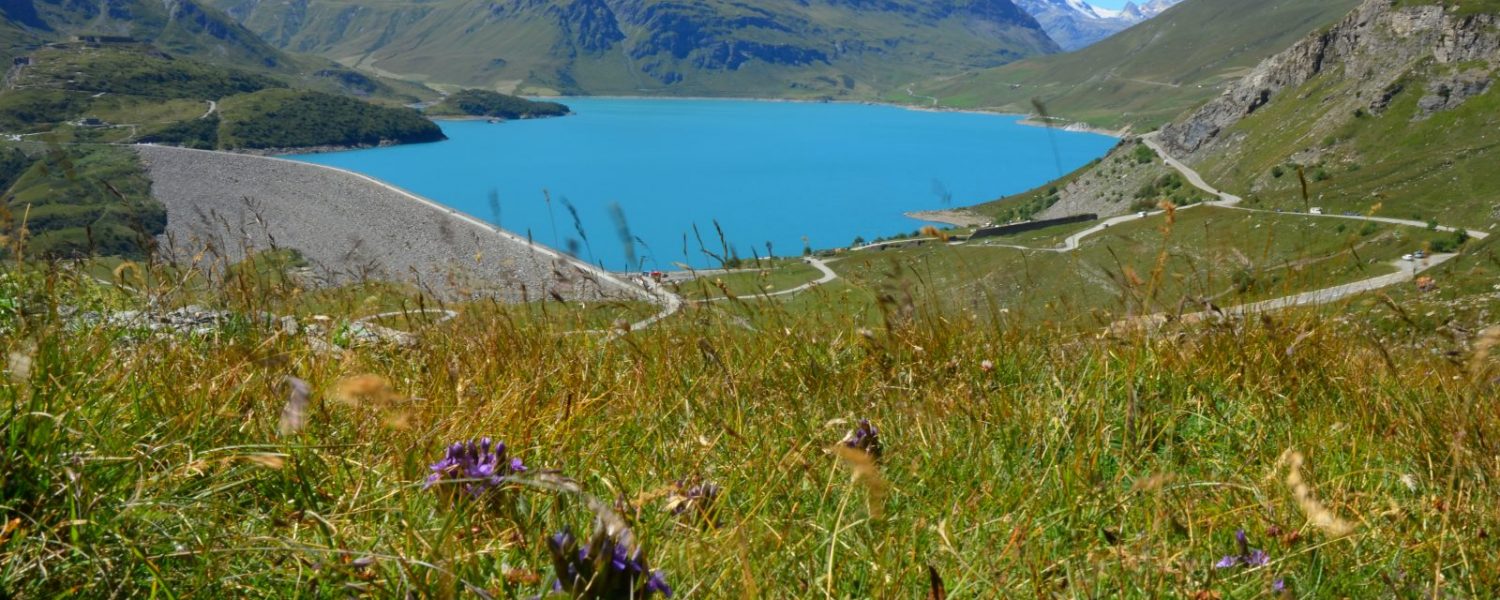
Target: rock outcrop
[{"x": 1379, "y": 44}]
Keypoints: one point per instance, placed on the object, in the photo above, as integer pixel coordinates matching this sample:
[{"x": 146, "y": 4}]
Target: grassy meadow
[{"x": 1022, "y": 456}]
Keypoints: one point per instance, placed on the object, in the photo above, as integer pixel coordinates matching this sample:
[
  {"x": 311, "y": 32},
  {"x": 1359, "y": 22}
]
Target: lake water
[{"x": 776, "y": 173}]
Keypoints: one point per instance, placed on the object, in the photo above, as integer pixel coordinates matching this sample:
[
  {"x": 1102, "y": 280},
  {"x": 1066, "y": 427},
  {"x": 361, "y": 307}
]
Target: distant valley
[{"x": 1075, "y": 24}]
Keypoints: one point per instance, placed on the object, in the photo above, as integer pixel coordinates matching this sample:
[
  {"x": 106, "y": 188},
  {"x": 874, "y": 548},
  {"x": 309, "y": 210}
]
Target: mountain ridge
[{"x": 794, "y": 48}]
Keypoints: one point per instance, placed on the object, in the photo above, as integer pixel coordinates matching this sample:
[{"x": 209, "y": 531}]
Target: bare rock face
[
  {"x": 1450, "y": 92},
  {"x": 1109, "y": 189},
  {"x": 1377, "y": 44}
]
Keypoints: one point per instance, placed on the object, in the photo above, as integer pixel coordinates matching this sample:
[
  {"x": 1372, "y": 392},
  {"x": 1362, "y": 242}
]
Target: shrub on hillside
[
  {"x": 1451, "y": 243},
  {"x": 484, "y": 103},
  {"x": 85, "y": 201},
  {"x": 202, "y": 134},
  {"x": 144, "y": 73},
  {"x": 301, "y": 119},
  {"x": 33, "y": 109}
]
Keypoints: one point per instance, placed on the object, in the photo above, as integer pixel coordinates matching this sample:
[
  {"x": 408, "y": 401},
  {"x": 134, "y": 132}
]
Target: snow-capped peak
[{"x": 1076, "y": 23}]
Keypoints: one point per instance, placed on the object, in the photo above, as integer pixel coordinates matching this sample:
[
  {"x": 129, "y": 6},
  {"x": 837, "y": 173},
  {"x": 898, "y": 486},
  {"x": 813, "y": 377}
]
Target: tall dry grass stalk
[
  {"x": 866, "y": 473},
  {"x": 1480, "y": 364},
  {"x": 1317, "y": 514}
]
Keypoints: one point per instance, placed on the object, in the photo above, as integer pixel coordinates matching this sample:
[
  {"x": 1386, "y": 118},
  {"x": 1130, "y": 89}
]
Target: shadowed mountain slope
[{"x": 802, "y": 48}]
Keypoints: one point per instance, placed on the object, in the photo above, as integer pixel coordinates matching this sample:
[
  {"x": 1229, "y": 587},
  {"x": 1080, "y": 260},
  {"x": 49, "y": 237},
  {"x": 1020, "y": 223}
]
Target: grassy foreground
[{"x": 1018, "y": 460}]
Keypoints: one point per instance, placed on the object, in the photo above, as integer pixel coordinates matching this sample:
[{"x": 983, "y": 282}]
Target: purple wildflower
[
  {"x": 865, "y": 438},
  {"x": 692, "y": 496},
  {"x": 609, "y": 568},
  {"x": 482, "y": 466},
  {"x": 1248, "y": 557},
  {"x": 1279, "y": 585}
]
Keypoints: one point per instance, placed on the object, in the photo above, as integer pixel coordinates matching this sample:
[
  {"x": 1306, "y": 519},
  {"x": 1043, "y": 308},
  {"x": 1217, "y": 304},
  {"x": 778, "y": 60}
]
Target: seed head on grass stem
[{"x": 1318, "y": 514}]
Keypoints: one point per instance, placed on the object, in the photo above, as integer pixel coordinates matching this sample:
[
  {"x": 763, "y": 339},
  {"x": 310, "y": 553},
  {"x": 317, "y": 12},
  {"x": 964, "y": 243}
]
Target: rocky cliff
[{"x": 1376, "y": 48}]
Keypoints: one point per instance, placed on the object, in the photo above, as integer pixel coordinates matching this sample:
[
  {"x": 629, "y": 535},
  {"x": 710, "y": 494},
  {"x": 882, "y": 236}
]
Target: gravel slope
[{"x": 350, "y": 228}]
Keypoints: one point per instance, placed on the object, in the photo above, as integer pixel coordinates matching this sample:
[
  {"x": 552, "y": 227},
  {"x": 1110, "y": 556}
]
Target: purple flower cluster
[
  {"x": 1248, "y": 557},
  {"x": 482, "y": 466},
  {"x": 609, "y": 568},
  {"x": 865, "y": 438},
  {"x": 692, "y": 496}
]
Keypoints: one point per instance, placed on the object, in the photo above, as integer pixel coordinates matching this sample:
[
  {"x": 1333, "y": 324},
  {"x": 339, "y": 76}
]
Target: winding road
[
  {"x": 817, "y": 263},
  {"x": 1405, "y": 271},
  {"x": 1315, "y": 297}
]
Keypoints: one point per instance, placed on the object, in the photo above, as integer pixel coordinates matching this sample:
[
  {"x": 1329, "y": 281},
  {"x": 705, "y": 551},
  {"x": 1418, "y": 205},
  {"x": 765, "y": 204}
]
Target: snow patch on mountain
[{"x": 1074, "y": 24}]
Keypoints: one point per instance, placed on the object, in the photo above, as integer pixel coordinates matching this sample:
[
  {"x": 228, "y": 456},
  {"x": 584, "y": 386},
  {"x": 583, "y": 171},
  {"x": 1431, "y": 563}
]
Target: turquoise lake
[{"x": 777, "y": 173}]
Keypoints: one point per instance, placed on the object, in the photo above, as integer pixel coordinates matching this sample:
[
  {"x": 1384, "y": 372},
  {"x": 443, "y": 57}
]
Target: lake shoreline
[
  {"x": 957, "y": 217},
  {"x": 1025, "y": 119},
  {"x": 956, "y": 155},
  {"x": 1075, "y": 127}
]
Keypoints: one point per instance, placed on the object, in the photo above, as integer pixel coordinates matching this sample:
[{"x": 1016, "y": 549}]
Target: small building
[
  {"x": 92, "y": 38},
  {"x": 21, "y": 61},
  {"x": 91, "y": 122}
]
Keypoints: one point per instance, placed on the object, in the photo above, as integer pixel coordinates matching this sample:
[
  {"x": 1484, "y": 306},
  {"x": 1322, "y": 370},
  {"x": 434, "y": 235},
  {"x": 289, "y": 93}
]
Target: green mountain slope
[
  {"x": 1148, "y": 74},
  {"x": 183, "y": 29},
  {"x": 135, "y": 93},
  {"x": 300, "y": 119},
  {"x": 1394, "y": 110},
  {"x": 802, "y": 48},
  {"x": 77, "y": 201},
  {"x": 484, "y": 103}
]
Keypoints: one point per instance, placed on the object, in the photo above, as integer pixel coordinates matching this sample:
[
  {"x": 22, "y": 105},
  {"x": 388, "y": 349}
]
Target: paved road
[
  {"x": 1224, "y": 199},
  {"x": 688, "y": 273},
  {"x": 913, "y": 94},
  {"x": 817, "y": 263},
  {"x": 1476, "y": 234},
  {"x": 1405, "y": 270},
  {"x": 903, "y": 242},
  {"x": 447, "y": 315}
]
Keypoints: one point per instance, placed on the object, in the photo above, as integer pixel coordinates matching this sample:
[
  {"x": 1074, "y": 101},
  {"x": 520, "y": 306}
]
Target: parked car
[
  {"x": 1420, "y": 254},
  {"x": 1406, "y": 257}
]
